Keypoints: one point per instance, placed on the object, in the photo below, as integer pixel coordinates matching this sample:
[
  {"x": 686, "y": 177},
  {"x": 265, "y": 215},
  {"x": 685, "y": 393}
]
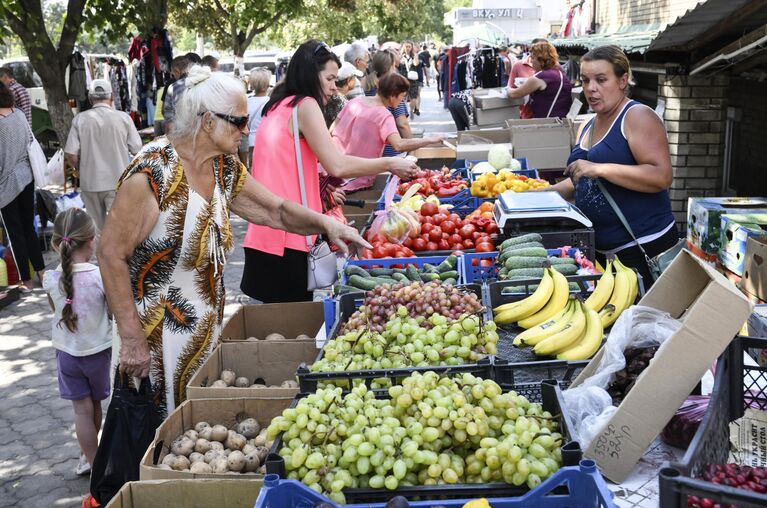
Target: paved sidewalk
[{"x": 38, "y": 448}]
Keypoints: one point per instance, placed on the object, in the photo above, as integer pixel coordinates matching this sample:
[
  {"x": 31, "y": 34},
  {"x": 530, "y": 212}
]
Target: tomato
[
  {"x": 486, "y": 263},
  {"x": 432, "y": 246},
  {"x": 458, "y": 253},
  {"x": 485, "y": 247},
  {"x": 467, "y": 231},
  {"x": 390, "y": 249},
  {"x": 377, "y": 238},
  {"x": 427, "y": 220},
  {"x": 419, "y": 244},
  {"x": 439, "y": 218},
  {"x": 426, "y": 228},
  {"x": 448, "y": 227},
  {"x": 429, "y": 209},
  {"x": 366, "y": 254},
  {"x": 468, "y": 244},
  {"x": 435, "y": 235},
  {"x": 379, "y": 251},
  {"x": 408, "y": 252},
  {"x": 455, "y": 218},
  {"x": 409, "y": 241},
  {"x": 491, "y": 228},
  {"x": 477, "y": 235},
  {"x": 475, "y": 262},
  {"x": 400, "y": 254},
  {"x": 445, "y": 236},
  {"x": 444, "y": 245}
]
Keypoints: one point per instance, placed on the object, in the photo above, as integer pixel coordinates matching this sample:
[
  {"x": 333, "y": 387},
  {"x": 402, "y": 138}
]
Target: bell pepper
[{"x": 499, "y": 188}]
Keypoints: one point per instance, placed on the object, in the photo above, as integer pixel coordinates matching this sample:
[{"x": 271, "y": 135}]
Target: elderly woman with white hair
[{"x": 164, "y": 247}]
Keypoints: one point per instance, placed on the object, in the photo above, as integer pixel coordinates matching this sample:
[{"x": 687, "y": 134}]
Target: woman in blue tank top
[{"x": 624, "y": 147}]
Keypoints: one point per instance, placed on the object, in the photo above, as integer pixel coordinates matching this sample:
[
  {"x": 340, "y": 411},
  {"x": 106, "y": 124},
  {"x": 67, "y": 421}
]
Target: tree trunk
[{"x": 58, "y": 108}]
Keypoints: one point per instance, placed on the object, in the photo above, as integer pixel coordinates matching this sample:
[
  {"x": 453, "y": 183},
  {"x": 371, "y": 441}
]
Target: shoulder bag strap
[
  {"x": 612, "y": 202},
  {"x": 300, "y": 166},
  {"x": 556, "y": 97}
]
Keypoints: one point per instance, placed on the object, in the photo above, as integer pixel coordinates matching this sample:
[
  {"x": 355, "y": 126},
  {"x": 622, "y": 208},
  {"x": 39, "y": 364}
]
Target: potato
[
  {"x": 217, "y": 446},
  {"x": 182, "y": 464},
  {"x": 248, "y": 448},
  {"x": 261, "y": 470},
  {"x": 236, "y": 461},
  {"x": 219, "y": 384},
  {"x": 202, "y": 445},
  {"x": 252, "y": 461},
  {"x": 164, "y": 466},
  {"x": 206, "y": 433},
  {"x": 201, "y": 468},
  {"x": 182, "y": 446},
  {"x": 219, "y": 465},
  {"x": 211, "y": 455},
  {"x": 220, "y": 433},
  {"x": 200, "y": 426},
  {"x": 262, "y": 452},
  {"x": 249, "y": 428},
  {"x": 228, "y": 377},
  {"x": 252, "y": 339},
  {"x": 303, "y": 336},
  {"x": 169, "y": 460},
  {"x": 235, "y": 441},
  {"x": 258, "y": 385},
  {"x": 260, "y": 440},
  {"x": 196, "y": 457},
  {"x": 191, "y": 434},
  {"x": 275, "y": 336},
  {"x": 289, "y": 384},
  {"x": 242, "y": 382}
]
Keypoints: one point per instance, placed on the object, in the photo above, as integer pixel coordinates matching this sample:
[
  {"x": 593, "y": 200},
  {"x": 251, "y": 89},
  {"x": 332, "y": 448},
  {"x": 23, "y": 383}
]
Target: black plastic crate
[
  {"x": 582, "y": 239},
  {"x": 736, "y": 387},
  {"x": 552, "y": 401},
  {"x": 524, "y": 377}
]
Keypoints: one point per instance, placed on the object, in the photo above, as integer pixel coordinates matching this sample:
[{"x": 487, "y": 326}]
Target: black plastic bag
[{"x": 132, "y": 419}]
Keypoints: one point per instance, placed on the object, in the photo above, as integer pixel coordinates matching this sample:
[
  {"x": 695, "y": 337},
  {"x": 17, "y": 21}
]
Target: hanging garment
[{"x": 78, "y": 87}]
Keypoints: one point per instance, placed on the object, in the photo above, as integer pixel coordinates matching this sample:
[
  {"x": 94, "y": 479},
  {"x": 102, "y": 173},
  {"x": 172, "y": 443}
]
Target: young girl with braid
[{"x": 80, "y": 330}]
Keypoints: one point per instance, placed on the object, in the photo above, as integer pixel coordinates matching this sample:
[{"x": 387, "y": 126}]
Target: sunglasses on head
[
  {"x": 237, "y": 121},
  {"x": 320, "y": 46}
]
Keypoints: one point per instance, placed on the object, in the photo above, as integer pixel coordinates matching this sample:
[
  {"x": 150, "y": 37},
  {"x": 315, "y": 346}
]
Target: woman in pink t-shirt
[
  {"x": 276, "y": 261},
  {"x": 365, "y": 126}
]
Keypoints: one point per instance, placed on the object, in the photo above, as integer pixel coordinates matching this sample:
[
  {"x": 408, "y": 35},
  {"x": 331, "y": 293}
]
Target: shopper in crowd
[
  {"x": 359, "y": 57},
  {"x": 172, "y": 94},
  {"x": 521, "y": 70},
  {"x": 177, "y": 69},
  {"x": 365, "y": 125},
  {"x": 259, "y": 84},
  {"x": 210, "y": 61},
  {"x": 80, "y": 330},
  {"x": 624, "y": 148},
  {"x": 100, "y": 144},
  {"x": 503, "y": 52},
  {"x": 276, "y": 262},
  {"x": 20, "y": 94},
  {"x": 410, "y": 63},
  {"x": 424, "y": 57},
  {"x": 164, "y": 247},
  {"x": 549, "y": 88},
  {"x": 345, "y": 82},
  {"x": 17, "y": 189}
]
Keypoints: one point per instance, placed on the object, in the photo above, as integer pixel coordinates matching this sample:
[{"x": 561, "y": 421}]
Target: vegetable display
[
  {"x": 440, "y": 183},
  {"x": 490, "y": 185},
  {"x": 731, "y": 475},
  {"x": 362, "y": 279}
]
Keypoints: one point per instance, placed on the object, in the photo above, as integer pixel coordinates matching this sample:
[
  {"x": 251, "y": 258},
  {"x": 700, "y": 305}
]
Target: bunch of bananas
[
  {"x": 613, "y": 293},
  {"x": 556, "y": 324}
]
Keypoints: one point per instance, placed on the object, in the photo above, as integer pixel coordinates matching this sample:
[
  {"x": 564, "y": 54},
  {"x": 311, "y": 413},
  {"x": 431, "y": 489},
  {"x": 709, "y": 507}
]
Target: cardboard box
[
  {"x": 736, "y": 229},
  {"x": 288, "y": 319},
  {"x": 494, "y": 98},
  {"x": 213, "y": 411},
  {"x": 269, "y": 361},
  {"x": 712, "y": 312},
  {"x": 754, "y": 279},
  {"x": 544, "y": 158},
  {"x": 541, "y": 133},
  {"x": 187, "y": 494},
  {"x": 704, "y": 219},
  {"x": 495, "y": 116},
  {"x": 474, "y": 145}
]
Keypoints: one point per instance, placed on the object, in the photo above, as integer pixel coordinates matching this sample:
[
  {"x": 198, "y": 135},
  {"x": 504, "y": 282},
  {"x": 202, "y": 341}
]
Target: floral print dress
[{"x": 177, "y": 271}]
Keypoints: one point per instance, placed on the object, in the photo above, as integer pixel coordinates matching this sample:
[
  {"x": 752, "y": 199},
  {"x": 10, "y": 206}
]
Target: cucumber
[
  {"x": 525, "y": 262},
  {"x": 450, "y": 281},
  {"x": 400, "y": 278},
  {"x": 412, "y": 273},
  {"x": 452, "y": 260},
  {"x": 363, "y": 283},
  {"x": 530, "y": 237},
  {"x": 399, "y": 270},
  {"x": 574, "y": 286},
  {"x": 428, "y": 277},
  {"x": 452, "y": 274},
  {"x": 445, "y": 266},
  {"x": 356, "y": 270},
  {"x": 429, "y": 268},
  {"x": 381, "y": 272},
  {"x": 503, "y": 272},
  {"x": 529, "y": 252},
  {"x": 526, "y": 272},
  {"x": 562, "y": 261},
  {"x": 529, "y": 245},
  {"x": 566, "y": 269},
  {"x": 343, "y": 289}
]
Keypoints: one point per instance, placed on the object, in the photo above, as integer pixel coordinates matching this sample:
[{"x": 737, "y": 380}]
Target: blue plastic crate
[
  {"x": 585, "y": 488},
  {"x": 477, "y": 274},
  {"x": 457, "y": 199},
  {"x": 417, "y": 261}
]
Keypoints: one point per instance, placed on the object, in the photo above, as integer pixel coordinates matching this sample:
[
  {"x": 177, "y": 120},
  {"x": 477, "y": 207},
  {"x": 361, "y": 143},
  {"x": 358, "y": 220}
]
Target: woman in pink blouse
[{"x": 365, "y": 126}]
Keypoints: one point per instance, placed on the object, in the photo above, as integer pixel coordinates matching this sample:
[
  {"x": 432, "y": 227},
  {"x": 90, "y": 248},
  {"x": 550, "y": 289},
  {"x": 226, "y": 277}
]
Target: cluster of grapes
[
  {"x": 406, "y": 341},
  {"x": 432, "y": 430},
  {"x": 418, "y": 298}
]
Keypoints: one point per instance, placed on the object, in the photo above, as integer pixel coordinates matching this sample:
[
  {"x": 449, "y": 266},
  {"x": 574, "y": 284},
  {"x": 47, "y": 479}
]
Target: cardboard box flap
[
  {"x": 288, "y": 319},
  {"x": 187, "y": 494},
  {"x": 483, "y": 137}
]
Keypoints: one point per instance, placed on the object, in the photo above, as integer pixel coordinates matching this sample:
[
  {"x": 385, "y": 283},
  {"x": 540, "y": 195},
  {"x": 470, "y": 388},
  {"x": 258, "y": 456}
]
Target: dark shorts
[
  {"x": 81, "y": 377},
  {"x": 414, "y": 90}
]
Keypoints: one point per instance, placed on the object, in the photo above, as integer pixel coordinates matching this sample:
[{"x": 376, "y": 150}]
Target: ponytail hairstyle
[
  {"x": 72, "y": 230},
  {"x": 382, "y": 63}
]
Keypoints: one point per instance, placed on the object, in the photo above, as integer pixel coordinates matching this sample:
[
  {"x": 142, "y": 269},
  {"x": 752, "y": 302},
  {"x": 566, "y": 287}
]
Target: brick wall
[
  {"x": 749, "y": 150},
  {"x": 694, "y": 117},
  {"x": 617, "y": 13}
]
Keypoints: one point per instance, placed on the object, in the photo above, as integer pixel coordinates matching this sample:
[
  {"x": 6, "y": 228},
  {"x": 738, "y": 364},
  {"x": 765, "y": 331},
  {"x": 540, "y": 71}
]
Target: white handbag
[
  {"x": 38, "y": 161},
  {"x": 322, "y": 269}
]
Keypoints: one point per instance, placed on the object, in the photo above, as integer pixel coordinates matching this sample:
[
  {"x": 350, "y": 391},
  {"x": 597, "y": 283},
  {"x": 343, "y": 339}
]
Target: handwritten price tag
[{"x": 610, "y": 442}]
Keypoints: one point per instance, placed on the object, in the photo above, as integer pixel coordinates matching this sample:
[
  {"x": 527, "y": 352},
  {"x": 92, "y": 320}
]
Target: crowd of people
[{"x": 282, "y": 159}]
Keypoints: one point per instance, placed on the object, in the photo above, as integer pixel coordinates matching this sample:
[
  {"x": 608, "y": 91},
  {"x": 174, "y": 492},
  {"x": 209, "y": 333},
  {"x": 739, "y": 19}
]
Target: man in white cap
[
  {"x": 346, "y": 80},
  {"x": 101, "y": 143}
]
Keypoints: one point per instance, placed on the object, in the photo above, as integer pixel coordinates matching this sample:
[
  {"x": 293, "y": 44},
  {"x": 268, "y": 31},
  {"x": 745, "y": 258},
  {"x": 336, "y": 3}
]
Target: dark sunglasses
[
  {"x": 237, "y": 121},
  {"x": 320, "y": 46}
]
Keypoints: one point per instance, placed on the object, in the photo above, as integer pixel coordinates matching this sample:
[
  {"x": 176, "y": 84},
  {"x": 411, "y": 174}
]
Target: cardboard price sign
[{"x": 611, "y": 441}]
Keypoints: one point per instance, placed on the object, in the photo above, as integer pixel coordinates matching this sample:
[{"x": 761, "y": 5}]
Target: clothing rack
[{"x": 473, "y": 52}]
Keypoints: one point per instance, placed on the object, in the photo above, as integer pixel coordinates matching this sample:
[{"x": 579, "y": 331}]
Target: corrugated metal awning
[{"x": 629, "y": 40}]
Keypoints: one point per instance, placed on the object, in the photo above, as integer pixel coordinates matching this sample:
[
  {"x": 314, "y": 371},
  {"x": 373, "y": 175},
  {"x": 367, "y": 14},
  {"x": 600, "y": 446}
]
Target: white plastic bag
[
  {"x": 70, "y": 200},
  {"x": 39, "y": 163},
  {"x": 589, "y": 404},
  {"x": 56, "y": 168}
]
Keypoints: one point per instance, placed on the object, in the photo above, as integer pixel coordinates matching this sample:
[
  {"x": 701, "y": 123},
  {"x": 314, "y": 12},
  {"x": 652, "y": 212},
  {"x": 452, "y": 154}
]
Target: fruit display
[
  {"x": 361, "y": 279},
  {"x": 430, "y": 430},
  {"x": 416, "y": 300},
  {"x": 613, "y": 293},
  {"x": 524, "y": 256},
  {"x": 492, "y": 185},
  {"x": 207, "y": 449},
  {"x": 441, "y": 183},
  {"x": 637, "y": 360},
  {"x": 731, "y": 475},
  {"x": 229, "y": 379}
]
